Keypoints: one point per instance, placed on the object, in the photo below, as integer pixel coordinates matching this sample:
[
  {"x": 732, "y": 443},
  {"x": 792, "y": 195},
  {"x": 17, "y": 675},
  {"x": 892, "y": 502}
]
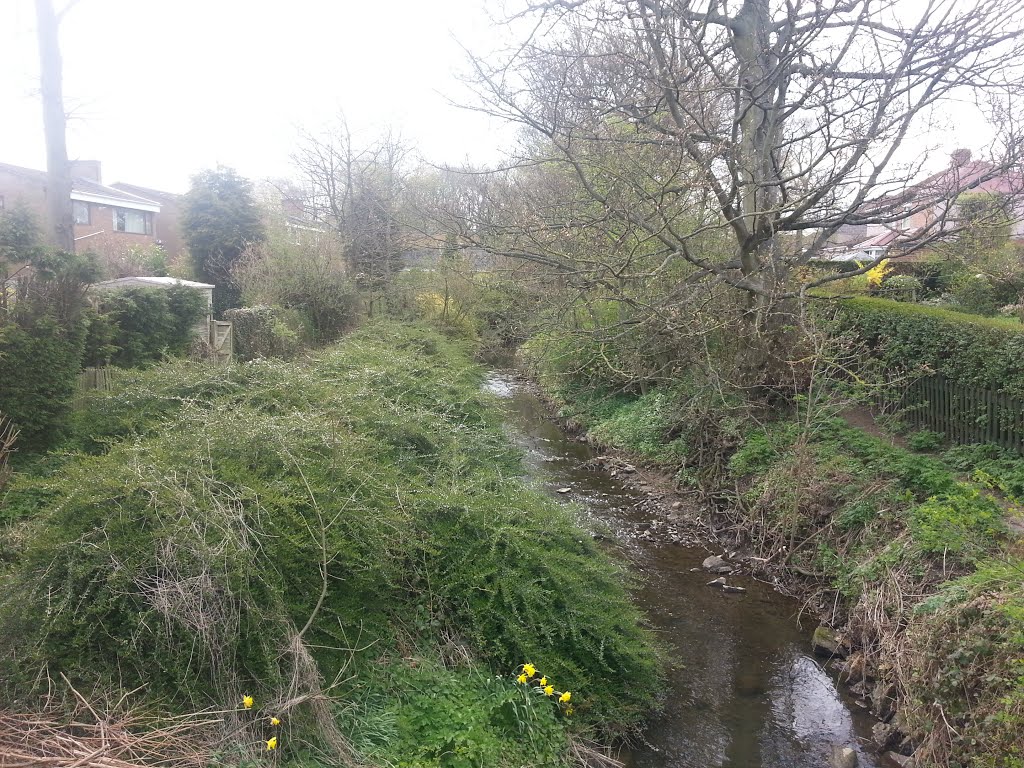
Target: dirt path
[{"x": 860, "y": 417}]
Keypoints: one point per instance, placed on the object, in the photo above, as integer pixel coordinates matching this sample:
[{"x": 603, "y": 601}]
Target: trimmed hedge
[{"x": 981, "y": 351}]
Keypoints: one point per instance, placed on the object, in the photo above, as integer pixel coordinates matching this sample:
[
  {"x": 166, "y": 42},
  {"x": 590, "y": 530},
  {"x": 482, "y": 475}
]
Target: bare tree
[
  {"x": 358, "y": 192},
  {"x": 736, "y": 138}
]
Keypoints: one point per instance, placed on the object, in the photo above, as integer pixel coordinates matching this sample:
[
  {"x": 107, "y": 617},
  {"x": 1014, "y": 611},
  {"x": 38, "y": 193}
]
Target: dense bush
[
  {"x": 137, "y": 326},
  {"x": 973, "y": 350},
  {"x": 219, "y": 495},
  {"x": 902, "y": 288},
  {"x": 42, "y": 331},
  {"x": 977, "y": 295},
  {"x": 301, "y": 272},
  {"x": 39, "y": 364},
  {"x": 260, "y": 332}
]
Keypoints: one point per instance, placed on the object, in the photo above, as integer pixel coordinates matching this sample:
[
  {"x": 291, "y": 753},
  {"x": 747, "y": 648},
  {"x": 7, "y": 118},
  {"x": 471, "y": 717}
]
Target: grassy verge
[
  {"x": 909, "y": 552},
  {"x": 346, "y": 540}
]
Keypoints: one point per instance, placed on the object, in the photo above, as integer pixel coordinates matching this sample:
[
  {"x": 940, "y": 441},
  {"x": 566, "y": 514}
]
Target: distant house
[
  {"x": 927, "y": 208},
  {"x": 109, "y": 220},
  {"x": 168, "y": 222}
]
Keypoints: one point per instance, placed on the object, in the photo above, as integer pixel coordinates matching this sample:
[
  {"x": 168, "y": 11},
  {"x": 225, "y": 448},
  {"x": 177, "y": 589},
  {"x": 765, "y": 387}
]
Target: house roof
[
  {"x": 146, "y": 192},
  {"x": 963, "y": 176},
  {"x": 87, "y": 190},
  {"x": 155, "y": 282},
  {"x": 882, "y": 240}
]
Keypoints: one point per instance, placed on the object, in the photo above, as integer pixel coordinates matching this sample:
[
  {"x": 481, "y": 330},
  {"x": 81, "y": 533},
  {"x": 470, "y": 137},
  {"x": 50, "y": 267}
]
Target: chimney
[
  {"x": 961, "y": 157},
  {"x": 86, "y": 169}
]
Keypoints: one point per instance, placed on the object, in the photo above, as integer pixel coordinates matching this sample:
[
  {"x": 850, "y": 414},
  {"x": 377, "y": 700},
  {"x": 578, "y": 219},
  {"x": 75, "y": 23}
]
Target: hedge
[
  {"x": 145, "y": 325},
  {"x": 38, "y": 374},
  {"x": 980, "y": 351}
]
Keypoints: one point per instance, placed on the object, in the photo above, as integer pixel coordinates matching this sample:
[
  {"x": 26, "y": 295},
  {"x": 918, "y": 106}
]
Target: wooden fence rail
[{"x": 965, "y": 414}]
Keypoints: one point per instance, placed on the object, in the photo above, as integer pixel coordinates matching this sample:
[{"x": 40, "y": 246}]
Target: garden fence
[{"x": 965, "y": 414}]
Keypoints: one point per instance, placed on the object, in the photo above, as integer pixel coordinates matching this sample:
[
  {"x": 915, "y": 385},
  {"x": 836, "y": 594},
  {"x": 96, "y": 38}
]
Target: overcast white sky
[{"x": 162, "y": 88}]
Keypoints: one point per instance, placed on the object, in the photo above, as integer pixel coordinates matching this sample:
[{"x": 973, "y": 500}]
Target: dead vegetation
[{"x": 84, "y": 735}]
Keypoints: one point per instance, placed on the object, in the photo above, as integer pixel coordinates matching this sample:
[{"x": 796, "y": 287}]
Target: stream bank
[{"x": 744, "y": 688}]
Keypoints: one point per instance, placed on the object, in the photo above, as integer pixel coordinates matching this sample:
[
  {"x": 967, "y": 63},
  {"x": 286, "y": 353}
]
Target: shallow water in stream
[{"x": 745, "y": 690}]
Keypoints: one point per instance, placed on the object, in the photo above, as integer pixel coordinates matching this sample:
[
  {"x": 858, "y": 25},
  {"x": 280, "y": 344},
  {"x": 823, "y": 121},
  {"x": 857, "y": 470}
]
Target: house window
[
  {"x": 81, "y": 212},
  {"x": 135, "y": 222}
]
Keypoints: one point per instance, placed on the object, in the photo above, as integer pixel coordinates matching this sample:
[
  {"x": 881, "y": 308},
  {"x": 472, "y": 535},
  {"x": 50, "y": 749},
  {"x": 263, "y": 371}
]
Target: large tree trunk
[{"x": 60, "y": 229}]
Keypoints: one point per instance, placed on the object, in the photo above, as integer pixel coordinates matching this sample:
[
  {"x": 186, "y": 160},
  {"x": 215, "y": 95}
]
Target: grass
[{"x": 350, "y": 532}]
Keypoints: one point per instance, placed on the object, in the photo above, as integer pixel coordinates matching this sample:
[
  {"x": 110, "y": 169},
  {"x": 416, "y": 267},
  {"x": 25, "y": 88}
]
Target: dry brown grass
[{"x": 88, "y": 738}]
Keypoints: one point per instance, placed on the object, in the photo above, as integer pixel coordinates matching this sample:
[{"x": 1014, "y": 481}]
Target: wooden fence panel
[
  {"x": 964, "y": 413},
  {"x": 92, "y": 378}
]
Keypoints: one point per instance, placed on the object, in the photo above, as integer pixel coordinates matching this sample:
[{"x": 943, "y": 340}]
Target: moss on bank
[{"x": 349, "y": 530}]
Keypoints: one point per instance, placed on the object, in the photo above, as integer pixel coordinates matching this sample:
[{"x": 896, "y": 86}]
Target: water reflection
[{"x": 744, "y": 691}]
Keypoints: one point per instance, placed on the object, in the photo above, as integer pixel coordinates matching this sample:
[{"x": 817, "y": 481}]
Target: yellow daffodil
[
  {"x": 569, "y": 710},
  {"x": 275, "y": 721},
  {"x": 529, "y": 670},
  {"x": 247, "y": 701},
  {"x": 521, "y": 679},
  {"x": 564, "y": 698},
  {"x": 549, "y": 690},
  {"x": 543, "y": 682},
  {"x": 271, "y": 743}
]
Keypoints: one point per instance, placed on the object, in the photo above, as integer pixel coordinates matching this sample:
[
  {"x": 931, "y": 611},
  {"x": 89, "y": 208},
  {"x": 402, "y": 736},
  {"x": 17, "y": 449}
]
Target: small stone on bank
[
  {"x": 717, "y": 564},
  {"x": 842, "y": 757},
  {"x": 826, "y": 643},
  {"x": 564, "y": 490}
]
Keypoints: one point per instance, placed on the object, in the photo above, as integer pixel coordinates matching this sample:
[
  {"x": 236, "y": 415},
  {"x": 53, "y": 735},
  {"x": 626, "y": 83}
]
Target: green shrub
[
  {"x": 462, "y": 718},
  {"x": 264, "y": 332},
  {"x": 761, "y": 448},
  {"x": 925, "y": 441},
  {"x": 149, "y": 323},
  {"x": 902, "y": 288},
  {"x": 985, "y": 352},
  {"x": 991, "y": 466},
  {"x": 186, "y": 553},
  {"x": 967, "y": 522},
  {"x": 39, "y": 366},
  {"x": 964, "y": 656},
  {"x": 977, "y": 295},
  {"x": 641, "y": 426}
]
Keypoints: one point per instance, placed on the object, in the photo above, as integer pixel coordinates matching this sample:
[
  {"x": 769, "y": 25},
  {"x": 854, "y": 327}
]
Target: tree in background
[
  {"x": 220, "y": 218},
  {"x": 359, "y": 193},
  {"x": 986, "y": 266},
  {"x": 302, "y": 270},
  {"x": 764, "y": 120}
]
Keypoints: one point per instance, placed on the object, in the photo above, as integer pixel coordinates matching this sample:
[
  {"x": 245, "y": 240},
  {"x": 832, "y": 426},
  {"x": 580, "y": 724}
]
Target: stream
[{"x": 745, "y": 691}]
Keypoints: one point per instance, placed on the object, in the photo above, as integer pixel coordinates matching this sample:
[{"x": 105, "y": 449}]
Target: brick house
[
  {"x": 168, "y": 222},
  {"x": 111, "y": 221}
]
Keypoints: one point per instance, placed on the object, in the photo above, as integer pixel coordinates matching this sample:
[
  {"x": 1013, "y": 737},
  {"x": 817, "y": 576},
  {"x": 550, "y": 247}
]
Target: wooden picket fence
[{"x": 963, "y": 413}]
